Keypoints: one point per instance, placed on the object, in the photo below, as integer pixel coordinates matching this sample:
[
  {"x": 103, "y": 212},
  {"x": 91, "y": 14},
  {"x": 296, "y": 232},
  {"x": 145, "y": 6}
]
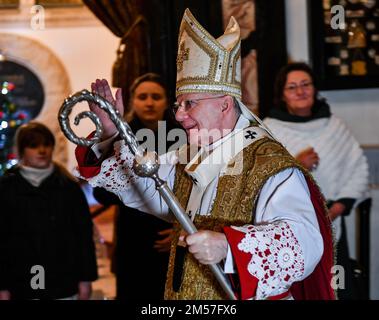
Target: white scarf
[{"x": 35, "y": 176}]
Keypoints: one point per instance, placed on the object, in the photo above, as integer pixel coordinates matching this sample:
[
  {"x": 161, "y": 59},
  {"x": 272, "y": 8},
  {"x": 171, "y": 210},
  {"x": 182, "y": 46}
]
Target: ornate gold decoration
[{"x": 182, "y": 56}]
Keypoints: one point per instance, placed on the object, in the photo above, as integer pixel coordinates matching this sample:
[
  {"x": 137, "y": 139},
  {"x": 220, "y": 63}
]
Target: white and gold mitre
[{"x": 206, "y": 64}]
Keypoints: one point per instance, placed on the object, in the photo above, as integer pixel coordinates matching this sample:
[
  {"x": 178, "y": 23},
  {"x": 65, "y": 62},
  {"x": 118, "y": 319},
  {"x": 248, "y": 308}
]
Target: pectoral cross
[{"x": 250, "y": 134}]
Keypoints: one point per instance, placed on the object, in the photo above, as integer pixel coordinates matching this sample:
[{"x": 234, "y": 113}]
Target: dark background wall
[{"x": 164, "y": 17}]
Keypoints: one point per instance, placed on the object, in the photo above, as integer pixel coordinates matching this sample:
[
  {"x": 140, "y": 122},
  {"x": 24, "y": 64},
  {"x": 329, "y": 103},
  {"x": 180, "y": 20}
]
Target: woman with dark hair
[
  {"x": 321, "y": 142},
  {"x": 148, "y": 105},
  {"x": 45, "y": 225}
]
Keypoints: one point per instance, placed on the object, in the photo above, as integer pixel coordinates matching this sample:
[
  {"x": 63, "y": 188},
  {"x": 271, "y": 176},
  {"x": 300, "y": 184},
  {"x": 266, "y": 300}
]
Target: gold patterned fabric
[{"x": 234, "y": 205}]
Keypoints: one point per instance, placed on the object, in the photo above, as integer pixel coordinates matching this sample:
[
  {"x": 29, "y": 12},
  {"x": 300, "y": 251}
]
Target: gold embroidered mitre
[{"x": 206, "y": 64}]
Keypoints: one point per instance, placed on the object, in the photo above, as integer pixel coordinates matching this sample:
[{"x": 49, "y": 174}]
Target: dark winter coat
[{"x": 48, "y": 226}]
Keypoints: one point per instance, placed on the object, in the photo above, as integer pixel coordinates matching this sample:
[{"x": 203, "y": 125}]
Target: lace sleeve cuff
[
  {"x": 116, "y": 172},
  {"x": 268, "y": 259}
]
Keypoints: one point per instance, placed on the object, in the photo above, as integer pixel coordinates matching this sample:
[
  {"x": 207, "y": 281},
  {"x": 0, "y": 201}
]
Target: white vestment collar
[{"x": 215, "y": 158}]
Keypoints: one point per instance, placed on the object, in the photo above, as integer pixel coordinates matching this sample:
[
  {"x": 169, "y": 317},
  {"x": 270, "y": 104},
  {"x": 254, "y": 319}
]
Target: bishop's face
[{"x": 204, "y": 116}]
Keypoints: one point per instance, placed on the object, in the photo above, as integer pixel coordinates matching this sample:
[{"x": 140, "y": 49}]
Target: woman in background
[
  {"x": 321, "y": 142},
  {"x": 148, "y": 105}
]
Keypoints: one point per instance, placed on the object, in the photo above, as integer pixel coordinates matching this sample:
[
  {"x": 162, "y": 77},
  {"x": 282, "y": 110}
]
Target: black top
[
  {"x": 140, "y": 269},
  {"x": 320, "y": 110},
  {"x": 48, "y": 226}
]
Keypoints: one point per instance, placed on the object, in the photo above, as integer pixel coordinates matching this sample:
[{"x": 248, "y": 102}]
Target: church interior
[{"x": 51, "y": 49}]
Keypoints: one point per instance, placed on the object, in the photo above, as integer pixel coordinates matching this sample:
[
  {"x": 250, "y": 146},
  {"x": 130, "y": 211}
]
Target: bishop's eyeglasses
[{"x": 191, "y": 104}]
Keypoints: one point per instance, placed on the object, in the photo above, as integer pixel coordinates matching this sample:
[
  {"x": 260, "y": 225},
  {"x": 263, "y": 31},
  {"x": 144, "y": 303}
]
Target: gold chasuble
[{"x": 234, "y": 204}]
